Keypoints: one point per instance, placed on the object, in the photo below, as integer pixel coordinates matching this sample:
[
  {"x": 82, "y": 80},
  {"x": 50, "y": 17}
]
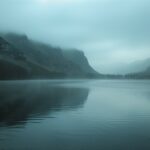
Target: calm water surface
[{"x": 75, "y": 115}]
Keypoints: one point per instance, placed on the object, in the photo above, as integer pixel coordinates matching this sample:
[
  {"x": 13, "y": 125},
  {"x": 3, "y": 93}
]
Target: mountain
[
  {"x": 78, "y": 58},
  {"x": 148, "y": 70},
  {"x": 9, "y": 56},
  {"x": 137, "y": 66},
  {"x": 22, "y": 58},
  {"x": 140, "y": 75}
]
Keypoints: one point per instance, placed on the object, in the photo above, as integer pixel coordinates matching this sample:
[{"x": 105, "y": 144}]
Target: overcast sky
[{"x": 110, "y": 32}]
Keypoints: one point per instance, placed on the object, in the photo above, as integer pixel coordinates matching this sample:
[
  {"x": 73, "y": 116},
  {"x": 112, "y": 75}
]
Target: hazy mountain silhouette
[
  {"x": 137, "y": 66},
  {"x": 78, "y": 58},
  {"x": 22, "y": 58},
  {"x": 140, "y": 75}
]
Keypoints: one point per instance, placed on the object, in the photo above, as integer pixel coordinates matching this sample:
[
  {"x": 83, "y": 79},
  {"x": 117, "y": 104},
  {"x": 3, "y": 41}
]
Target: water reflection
[
  {"x": 115, "y": 116},
  {"x": 21, "y": 101}
]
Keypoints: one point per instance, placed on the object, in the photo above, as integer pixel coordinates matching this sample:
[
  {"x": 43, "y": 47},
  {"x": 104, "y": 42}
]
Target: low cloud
[{"x": 110, "y": 32}]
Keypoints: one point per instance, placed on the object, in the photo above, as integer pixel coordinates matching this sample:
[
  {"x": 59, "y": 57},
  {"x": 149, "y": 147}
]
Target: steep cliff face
[
  {"x": 78, "y": 58},
  {"x": 40, "y": 60}
]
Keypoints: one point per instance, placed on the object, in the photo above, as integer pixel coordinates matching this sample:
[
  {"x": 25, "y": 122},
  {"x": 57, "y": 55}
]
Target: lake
[{"x": 75, "y": 115}]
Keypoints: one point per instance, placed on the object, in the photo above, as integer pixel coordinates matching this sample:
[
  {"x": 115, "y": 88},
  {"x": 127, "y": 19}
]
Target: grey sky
[{"x": 111, "y": 32}]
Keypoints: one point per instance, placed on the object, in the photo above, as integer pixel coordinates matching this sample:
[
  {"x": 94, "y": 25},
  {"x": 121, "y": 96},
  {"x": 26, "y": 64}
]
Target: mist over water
[{"x": 75, "y": 114}]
